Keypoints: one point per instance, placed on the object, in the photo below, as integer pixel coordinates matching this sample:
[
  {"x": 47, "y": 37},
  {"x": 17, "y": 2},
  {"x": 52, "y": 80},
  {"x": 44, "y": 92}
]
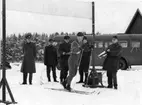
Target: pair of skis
[{"x": 73, "y": 91}]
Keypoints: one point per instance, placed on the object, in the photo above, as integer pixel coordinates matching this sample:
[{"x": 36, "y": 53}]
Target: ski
[
  {"x": 72, "y": 91},
  {"x": 89, "y": 86}
]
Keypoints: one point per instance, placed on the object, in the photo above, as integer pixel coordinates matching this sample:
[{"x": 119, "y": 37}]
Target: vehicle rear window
[
  {"x": 124, "y": 44},
  {"x": 135, "y": 44}
]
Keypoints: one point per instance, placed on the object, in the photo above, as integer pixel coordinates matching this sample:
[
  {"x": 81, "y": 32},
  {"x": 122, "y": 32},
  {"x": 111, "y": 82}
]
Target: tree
[
  {"x": 73, "y": 33},
  {"x": 62, "y": 33},
  {"x": 66, "y": 34},
  {"x": 98, "y": 33},
  {"x": 56, "y": 34}
]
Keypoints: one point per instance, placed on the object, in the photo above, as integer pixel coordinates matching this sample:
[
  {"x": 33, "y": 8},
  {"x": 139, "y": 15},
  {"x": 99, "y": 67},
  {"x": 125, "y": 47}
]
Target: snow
[{"x": 129, "y": 90}]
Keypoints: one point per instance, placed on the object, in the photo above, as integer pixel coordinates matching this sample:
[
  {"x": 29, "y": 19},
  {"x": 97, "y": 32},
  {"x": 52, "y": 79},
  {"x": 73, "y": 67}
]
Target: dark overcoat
[
  {"x": 50, "y": 56},
  {"x": 64, "y": 47},
  {"x": 28, "y": 64},
  {"x": 85, "y": 59},
  {"x": 111, "y": 63}
]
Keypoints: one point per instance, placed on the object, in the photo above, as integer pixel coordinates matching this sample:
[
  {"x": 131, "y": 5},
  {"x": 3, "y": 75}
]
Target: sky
[{"x": 110, "y": 17}]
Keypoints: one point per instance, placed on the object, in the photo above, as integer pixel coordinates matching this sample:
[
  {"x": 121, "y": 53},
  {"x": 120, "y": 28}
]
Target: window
[
  {"x": 106, "y": 45},
  {"x": 124, "y": 44},
  {"x": 100, "y": 44},
  {"x": 95, "y": 45},
  {"x": 135, "y": 44},
  {"x": 110, "y": 43}
]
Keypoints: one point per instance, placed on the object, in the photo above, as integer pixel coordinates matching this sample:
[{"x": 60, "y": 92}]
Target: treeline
[{"x": 14, "y": 44}]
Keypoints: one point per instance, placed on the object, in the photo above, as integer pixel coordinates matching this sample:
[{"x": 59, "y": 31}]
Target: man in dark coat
[
  {"x": 64, "y": 50},
  {"x": 28, "y": 64},
  {"x": 50, "y": 60},
  {"x": 85, "y": 61},
  {"x": 111, "y": 63},
  {"x": 74, "y": 60}
]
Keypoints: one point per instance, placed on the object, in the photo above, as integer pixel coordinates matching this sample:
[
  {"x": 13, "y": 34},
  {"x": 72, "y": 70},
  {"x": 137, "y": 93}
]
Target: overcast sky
[{"x": 110, "y": 17}]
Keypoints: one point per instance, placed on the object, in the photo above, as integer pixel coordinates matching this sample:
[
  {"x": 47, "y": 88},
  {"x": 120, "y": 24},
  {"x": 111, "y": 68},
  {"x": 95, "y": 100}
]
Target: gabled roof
[{"x": 136, "y": 24}]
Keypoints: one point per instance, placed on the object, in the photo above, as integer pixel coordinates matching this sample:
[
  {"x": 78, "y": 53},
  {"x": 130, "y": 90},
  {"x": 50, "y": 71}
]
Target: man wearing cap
[
  {"x": 64, "y": 50},
  {"x": 85, "y": 61},
  {"x": 111, "y": 63},
  {"x": 74, "y": 60},
  {"x": 50, "y": 60},
  {"x": 28, "y": 64}
]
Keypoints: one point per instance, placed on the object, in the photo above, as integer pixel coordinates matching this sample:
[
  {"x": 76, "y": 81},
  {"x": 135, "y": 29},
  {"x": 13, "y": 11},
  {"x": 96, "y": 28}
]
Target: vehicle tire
[{"x": 122, "y": 64}]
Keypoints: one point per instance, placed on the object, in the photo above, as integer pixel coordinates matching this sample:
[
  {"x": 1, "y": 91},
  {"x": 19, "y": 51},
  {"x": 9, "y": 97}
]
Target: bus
[{"x": 131, "y": 45}]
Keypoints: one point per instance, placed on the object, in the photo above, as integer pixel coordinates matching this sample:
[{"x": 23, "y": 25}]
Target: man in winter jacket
[
  {"x": 74, "y": 60},
  {"x": 111, "y": 63},
  {"x": 28, "y": 64},
  {"x": 50, "y": 60},
  {"x": 64, "y": 50},
  {"x": 85, "y": 61}
]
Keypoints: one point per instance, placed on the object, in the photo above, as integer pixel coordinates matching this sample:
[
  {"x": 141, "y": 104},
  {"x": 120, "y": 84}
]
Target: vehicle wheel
[{"x": 122, "y": 64}]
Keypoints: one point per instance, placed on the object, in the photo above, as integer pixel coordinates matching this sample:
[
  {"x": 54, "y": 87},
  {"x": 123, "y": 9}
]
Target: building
[{"x": 135, "y": 26}]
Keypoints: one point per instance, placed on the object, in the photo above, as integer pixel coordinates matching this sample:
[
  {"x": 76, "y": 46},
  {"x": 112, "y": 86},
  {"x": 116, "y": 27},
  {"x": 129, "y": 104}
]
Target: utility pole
[
  {"x": 93, "y": 33},
  {"x": 3, "y": 44},
  {"x": 3, "y": 82}
]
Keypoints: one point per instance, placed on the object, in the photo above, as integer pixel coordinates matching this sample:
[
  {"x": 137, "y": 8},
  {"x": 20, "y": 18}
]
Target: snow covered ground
[{"x": 129, "y": 90}]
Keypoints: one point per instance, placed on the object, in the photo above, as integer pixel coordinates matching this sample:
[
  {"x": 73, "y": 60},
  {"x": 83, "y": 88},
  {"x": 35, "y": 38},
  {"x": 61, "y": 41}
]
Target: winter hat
[
  {"x": 80, "y": 34},
  {"x": 28, "y": 36},
  {"x": 115, "y": 37},
  {"x": 66, "y": 37},
  {"x": 51, "y": 40}
]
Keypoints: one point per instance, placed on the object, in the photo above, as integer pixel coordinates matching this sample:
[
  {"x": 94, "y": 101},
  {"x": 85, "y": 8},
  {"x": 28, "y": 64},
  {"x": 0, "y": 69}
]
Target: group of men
[{"x": 72, "y": 55}]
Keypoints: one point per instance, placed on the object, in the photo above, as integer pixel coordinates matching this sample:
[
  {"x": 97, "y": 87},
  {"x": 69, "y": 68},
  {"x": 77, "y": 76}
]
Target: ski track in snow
[{"x": 129, "y": 90}]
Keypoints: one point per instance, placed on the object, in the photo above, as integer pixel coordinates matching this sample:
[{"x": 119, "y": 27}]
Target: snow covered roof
[{"x": 136, "y": 23}]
